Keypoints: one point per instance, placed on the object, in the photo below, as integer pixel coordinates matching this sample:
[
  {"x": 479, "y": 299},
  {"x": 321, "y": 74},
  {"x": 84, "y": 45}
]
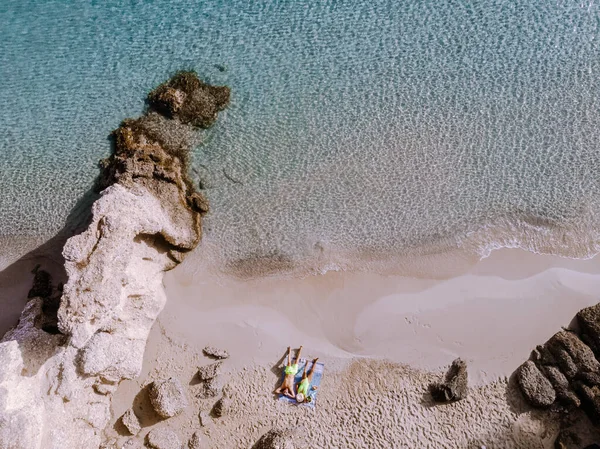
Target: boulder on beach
[
  {"x": 536, "y": 388},
  {"x": 168, "y": 397},
  {"x": 455, "y": 385}
]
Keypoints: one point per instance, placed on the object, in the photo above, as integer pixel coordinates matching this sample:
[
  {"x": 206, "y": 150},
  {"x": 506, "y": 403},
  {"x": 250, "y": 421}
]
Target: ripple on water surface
[{"x": 356, "y": 128}]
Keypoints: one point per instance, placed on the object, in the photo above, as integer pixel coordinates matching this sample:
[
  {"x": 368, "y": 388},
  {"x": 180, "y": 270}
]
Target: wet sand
[{"x": 493, "y": 315}]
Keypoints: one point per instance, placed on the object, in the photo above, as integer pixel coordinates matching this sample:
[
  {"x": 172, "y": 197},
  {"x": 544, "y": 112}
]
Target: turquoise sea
[{"x": 367, "y": 129}]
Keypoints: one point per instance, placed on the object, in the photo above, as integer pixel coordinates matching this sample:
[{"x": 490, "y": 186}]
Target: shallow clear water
[{"x": 356, "y": 128}]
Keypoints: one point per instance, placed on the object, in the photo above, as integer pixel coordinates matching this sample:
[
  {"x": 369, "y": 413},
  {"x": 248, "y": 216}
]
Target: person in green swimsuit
[
  {"x": 291, "y": 369},
  {"x": 304, "y": 385}
]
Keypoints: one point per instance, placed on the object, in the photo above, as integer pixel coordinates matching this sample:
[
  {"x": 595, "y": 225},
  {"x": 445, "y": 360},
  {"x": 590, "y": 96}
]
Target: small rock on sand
[
  {"x": 131, "y": 422},
  {"x": 163, "y": 439},
  {"x": 275, "y": 439},
  {"x": 168, "y": 397},
  {"x": 209, "y": 372},
  {"x": 454, "y": 387},
  {"x": 211, "y": 351},
  {"x": 535, "y": 387},
  {"x": 222, "y": 407},
  {"x": 194, "y": 442}
]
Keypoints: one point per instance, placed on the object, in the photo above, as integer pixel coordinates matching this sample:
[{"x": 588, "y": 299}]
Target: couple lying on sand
[{"x": 287, "y": 386}]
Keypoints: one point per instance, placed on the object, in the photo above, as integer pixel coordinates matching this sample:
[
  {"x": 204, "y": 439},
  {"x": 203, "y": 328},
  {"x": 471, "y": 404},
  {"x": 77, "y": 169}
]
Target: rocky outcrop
[
  {"x": 564, "y": 373},
  {"x": 455, "y": 385},
  {"x": 74, "y": 344}
]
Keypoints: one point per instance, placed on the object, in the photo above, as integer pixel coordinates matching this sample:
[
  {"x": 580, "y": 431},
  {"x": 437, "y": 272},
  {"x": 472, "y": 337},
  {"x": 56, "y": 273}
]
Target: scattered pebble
[
  {"x": 209, "y": 372},
  {"x": 204, "y": 418},
  {"x": 163, "y": 439},
  {"x": 194, "y": 442},
  {"x": 211, "y": 351}
]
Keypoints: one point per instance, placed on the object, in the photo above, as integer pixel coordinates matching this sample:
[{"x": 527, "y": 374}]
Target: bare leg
[
  {"x": 304, "y": 373},
  {"x": 289, "y": 356},
  {"x": 312, "y": 369},
  {"x": 298, "y": 355}
]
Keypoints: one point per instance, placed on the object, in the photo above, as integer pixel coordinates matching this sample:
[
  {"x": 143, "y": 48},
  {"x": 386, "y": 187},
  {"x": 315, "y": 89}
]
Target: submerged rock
[
  {"x": 455, "y": 385},
  {"x": 168, "y": 397},
  {"x": 163, "y": 439},
  {"x": 275, "y": 439},
  {"x": 131, "y": 422},
  {"x": 190, "y": 100},
  {"x": 211, "y": 351},
  {"x": 535, "y": 387}
]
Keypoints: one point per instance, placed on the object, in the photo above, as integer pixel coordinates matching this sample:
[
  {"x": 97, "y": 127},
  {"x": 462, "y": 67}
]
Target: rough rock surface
[
  {"x": 275, "y": 439},
  {"x": 131, "y": 422},
  {"x": 74, "y": 344},
  {"x": 535, "y": 387},
  {"x": 222, "y": 406},
  {"x": 163, "y": 439},
  {"x": 211, "y": 351},
  {"x": 211, "y": 388},
  {"x": 204, "y": 418},
  {"x": 195, "y": 441},
  {"x": 565, "y": 371},
  {"x": 168, "y": 397},
  {"x": 209, "y": 372},
  {"x": 455, "y": 385}
]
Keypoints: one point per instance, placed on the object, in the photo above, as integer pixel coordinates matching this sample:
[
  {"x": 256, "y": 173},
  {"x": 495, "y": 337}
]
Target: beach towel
[{"x": 316, "y": 381}]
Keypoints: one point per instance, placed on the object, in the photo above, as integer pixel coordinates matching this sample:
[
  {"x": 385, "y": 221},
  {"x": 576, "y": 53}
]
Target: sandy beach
[{"x": 364, "y": 325}]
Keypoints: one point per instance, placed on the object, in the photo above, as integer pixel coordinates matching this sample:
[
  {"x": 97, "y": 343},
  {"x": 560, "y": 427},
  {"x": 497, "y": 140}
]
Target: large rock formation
[
  {"x": 68, "y": 353},
  {"x": 564, "y": 373}
]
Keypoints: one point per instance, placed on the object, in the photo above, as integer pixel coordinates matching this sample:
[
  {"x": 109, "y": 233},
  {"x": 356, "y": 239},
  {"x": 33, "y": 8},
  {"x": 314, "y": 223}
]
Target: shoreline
[{"x": 492, "y": 316}]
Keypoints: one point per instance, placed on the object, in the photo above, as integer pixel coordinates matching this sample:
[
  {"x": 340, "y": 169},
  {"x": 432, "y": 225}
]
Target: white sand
[{"x": 492, "y": 316}]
